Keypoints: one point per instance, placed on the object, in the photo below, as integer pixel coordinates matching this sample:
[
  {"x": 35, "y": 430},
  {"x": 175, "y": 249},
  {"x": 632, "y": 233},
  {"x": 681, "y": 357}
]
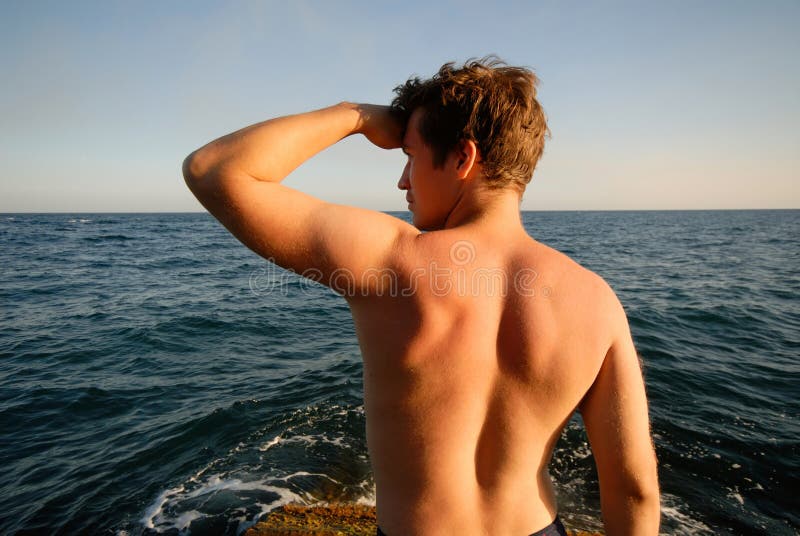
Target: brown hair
[{"x": 485, "y": 101}]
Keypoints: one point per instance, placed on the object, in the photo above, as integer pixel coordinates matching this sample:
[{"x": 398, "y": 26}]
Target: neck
[{"x": 493, "y": 210}]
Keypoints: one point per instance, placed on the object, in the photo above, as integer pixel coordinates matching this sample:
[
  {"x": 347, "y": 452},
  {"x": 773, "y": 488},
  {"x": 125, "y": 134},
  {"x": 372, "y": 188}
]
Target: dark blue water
[{"x": 157, "y": 377}]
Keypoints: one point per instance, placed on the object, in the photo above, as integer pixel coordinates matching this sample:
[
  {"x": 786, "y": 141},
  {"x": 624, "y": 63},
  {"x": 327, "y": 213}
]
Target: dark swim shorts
[{"x": 553, "y": 529}]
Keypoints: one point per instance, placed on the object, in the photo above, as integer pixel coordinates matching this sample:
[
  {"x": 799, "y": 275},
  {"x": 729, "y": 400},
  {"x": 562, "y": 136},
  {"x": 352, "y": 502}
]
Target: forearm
[{"x": 270, "y": 150}]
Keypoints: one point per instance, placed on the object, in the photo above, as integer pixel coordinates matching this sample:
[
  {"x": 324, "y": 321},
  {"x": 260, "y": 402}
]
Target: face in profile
[{"x": 431, "y": 191}]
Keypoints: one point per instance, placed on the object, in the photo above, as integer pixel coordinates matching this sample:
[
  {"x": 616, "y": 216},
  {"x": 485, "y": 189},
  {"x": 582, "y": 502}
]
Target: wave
[
  {"x": 109, "y": 238},
  {"x": 303, "y": 456}
]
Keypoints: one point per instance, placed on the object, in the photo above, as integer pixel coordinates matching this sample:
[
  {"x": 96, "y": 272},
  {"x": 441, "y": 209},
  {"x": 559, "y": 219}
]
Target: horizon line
[{"x": 408, "y": 212}]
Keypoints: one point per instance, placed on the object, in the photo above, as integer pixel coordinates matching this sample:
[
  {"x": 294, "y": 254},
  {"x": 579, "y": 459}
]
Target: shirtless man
[{"x": 479, "y": 343}]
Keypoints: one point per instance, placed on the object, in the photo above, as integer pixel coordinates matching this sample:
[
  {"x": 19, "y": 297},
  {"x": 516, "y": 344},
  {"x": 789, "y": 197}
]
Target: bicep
[{"x": 302, "y": 233}]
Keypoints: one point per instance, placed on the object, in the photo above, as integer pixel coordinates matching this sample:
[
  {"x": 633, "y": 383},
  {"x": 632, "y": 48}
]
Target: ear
[{"x": 466, "y": 156}]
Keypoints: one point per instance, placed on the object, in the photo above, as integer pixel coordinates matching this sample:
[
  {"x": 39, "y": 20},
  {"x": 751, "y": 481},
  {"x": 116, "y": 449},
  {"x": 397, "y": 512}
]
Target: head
[
  {"x": 485, "y": 104},
  {"x": 433, "y": 190}
]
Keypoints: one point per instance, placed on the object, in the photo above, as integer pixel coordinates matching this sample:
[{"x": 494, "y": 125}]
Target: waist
[
  {"x": 556, "y": 528},
  {"x": 442, "y": 510}
]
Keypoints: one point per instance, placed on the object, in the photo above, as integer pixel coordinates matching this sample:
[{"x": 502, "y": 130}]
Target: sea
[{"x": 157, "y": 377}]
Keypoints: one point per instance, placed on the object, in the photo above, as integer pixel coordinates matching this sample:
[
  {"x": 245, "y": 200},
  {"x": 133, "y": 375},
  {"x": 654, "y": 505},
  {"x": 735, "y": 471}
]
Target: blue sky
[{"x": 652, "y": 105}]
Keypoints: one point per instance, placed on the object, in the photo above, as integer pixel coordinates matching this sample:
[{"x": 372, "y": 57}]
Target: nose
[{"x": 404, "y": 183}]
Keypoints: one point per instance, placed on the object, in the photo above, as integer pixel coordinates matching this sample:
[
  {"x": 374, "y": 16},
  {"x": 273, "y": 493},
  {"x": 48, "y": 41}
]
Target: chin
[{"x": 423, "y": 225}]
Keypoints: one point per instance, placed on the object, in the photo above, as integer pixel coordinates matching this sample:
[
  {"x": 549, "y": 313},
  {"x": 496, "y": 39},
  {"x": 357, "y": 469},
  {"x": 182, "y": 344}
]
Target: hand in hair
[{"x": 380, "y": 125}]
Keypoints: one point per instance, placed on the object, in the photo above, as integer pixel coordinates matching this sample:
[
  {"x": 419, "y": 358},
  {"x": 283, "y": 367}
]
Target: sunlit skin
[
  {"x": 435, "y": 195},
  {"x": 466, "y": 387}
]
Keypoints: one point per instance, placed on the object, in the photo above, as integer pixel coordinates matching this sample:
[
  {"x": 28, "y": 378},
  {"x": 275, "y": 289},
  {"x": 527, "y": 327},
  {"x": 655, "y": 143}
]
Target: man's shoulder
[
  {"x": 572, "y": 279},
  {"x": 559, "y": 262}
]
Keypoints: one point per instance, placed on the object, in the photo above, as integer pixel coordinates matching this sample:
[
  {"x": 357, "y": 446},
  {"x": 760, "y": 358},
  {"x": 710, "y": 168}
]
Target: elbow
[
  {"x": 202, "y": 163},
  {"x": 631, "y": 510},
  {"x": 644, "y": 497},
  {"x": 204, "y": 170},
  {"x": 192, "y": 170},
  {"x": 200, "y": 180},
  {"x": 643, "y": 488},
  {"x": 646, "y": 507},
  {"x": 210, "y": 181},
  {"x": 198, "y": 173},
  {"x": 638, "y": 494}
]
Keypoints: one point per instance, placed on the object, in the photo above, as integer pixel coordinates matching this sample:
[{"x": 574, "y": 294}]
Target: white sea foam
[
  {"x": 302, "y": 473},
  {"x": 177, "y": 507},
  {"x": 266, "y": 446},
  {"x": 368, "y": 497},
  {"x": 185, "y": 519},
  {"x": 673, "y": 509},
  {"x": 157, "y": 517},
  {"x": 155, "y": 509},
  {"x": 302, "y": 438}
]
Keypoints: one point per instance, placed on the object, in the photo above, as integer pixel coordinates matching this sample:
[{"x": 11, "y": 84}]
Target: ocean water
[{"x": 156, "y": 377}]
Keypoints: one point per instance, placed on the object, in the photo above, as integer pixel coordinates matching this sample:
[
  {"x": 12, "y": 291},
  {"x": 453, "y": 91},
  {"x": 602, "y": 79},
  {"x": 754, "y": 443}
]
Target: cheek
[{"x": 418, "y": 178}]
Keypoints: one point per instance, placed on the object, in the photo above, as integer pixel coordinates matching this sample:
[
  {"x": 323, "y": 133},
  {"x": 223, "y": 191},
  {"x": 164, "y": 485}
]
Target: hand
[{"x": 380, "y": 126}]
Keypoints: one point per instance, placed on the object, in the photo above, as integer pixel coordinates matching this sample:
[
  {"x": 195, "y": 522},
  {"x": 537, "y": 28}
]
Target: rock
[
  {"x": 338, "y": 519},
  {"x": 330, "y": 520}
]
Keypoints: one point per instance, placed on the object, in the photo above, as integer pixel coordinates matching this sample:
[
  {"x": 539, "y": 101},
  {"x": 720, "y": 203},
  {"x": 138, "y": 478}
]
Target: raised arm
[
  {"x": 615, "y": 415},
  {"x": 237, "y": 178}
]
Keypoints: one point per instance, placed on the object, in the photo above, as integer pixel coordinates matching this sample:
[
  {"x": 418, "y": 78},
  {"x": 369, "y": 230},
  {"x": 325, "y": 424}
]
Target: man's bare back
[
  {"x": 469, "y": 380},
  {"x": 479, "y": 343}
]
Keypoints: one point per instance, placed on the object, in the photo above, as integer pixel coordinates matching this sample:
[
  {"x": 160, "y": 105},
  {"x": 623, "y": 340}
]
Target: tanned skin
[{"x": 479, "y": 343}]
